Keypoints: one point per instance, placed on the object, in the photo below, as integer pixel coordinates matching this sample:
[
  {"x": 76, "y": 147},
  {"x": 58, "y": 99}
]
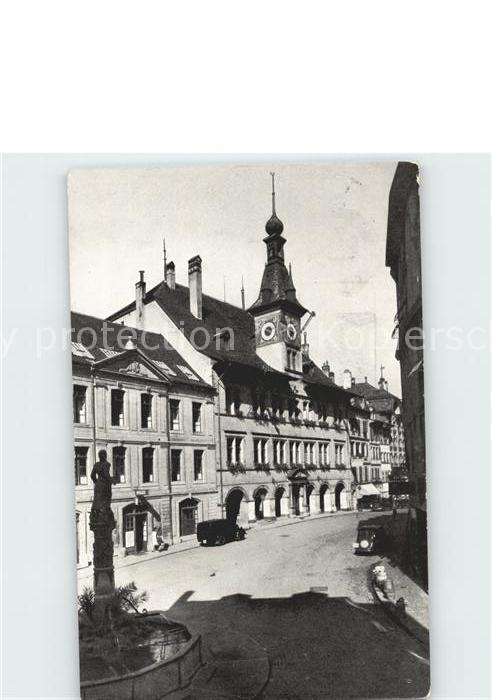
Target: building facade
[
  {"x": 154, "y": 417},
  {"x": 403, "y": 257},
  {"x": 281, "y": 422}
]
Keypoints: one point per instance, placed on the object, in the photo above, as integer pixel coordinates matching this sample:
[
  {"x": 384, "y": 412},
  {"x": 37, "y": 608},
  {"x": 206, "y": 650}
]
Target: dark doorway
[
  {"x": 259, "y": 503},
  {"x": 338, "y": 492},
  {"x": 323, "y": 496},
  {"x": 296, "y": 499},
  {"x": 188, "y": 516},
  {"x": 135, "y": 530},
  {"x": 233, "y": 504},
  {"x": 279, "y": 494}
]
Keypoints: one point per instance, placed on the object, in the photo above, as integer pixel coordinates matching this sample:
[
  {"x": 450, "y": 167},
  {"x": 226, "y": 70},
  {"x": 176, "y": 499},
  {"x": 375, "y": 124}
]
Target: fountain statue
[{"x": 102, "y": 524}]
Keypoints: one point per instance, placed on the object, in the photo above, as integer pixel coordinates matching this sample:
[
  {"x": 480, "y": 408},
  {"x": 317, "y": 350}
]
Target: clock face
[
  {"x": 291, "y": 331},
  {"x": 268, "y": 330}
]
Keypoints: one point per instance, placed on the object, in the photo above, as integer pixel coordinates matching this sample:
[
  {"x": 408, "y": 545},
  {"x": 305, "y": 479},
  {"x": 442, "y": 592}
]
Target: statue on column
[{"x": 102, "y": 523}]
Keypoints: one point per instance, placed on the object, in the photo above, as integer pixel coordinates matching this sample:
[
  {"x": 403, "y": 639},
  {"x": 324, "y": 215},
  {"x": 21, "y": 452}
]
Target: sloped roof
[
  {"x": 380, "y": 399},
  {"x": 98, "y": 335},
  {"x": 277, "y": 289},
  {"x": 218, "y": 315}
]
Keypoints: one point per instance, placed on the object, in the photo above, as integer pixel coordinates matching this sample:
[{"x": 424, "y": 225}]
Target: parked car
[
  {"x": 371, "y": 539},
  {"x": 218, "y": 531}
]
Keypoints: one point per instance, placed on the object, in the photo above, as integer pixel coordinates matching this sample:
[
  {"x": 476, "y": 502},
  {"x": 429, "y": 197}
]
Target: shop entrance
[
  {"x": 135, "y": 528},
  {"x": 188, "y": 516}
]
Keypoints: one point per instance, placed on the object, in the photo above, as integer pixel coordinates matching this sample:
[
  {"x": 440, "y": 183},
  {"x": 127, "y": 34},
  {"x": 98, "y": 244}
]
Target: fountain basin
[{"x": 157, "y": 656}]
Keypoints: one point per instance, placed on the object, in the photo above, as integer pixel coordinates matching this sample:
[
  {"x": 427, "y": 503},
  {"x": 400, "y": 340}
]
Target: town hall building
[{"x": 281, "y": 422}]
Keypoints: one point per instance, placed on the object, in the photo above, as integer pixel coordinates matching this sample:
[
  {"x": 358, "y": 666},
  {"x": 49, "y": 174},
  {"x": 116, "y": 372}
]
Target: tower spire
[
  {"x": 274, "y": 213},
  {"x": 242, "y": 292},
  {"x": 165, "y": 260}
]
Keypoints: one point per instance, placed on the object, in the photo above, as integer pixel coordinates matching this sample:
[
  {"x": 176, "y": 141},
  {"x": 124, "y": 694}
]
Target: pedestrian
[{"x": 395, "y": 512}]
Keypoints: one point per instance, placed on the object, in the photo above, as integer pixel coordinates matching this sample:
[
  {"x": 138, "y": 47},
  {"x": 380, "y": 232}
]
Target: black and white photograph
[{"x": 248, "y": 431}]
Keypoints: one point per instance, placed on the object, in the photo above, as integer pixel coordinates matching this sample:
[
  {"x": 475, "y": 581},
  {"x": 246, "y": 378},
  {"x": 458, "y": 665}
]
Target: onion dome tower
[{"x": 277, "y": 311}]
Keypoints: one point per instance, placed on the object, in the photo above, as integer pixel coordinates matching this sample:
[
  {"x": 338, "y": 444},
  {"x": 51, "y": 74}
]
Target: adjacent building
[
  {"x": 137, "y": 398},
  {"x": 403, "y": 257}
]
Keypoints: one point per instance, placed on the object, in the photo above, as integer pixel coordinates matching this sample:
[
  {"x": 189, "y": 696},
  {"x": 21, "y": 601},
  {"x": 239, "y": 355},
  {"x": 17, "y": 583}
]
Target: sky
[{"x": 334, "y": 216}]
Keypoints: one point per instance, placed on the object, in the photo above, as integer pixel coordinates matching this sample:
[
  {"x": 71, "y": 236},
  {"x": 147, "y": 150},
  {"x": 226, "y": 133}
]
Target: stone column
[
  {"x": 251, "y": 512},
  {"x": 302, "y": 499},
  {"x": 102, "y": 524},
  {"x": 292, "y": 511}
]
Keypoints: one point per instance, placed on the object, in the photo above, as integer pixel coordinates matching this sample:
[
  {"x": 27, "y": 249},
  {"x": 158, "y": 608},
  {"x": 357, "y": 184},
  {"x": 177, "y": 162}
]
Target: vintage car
[
  {"x": 371, "y": 539},
  {"x": 218, "y": 531}
]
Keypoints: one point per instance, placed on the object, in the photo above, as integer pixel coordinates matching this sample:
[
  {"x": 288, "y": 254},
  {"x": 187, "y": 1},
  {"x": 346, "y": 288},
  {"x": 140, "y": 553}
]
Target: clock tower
[{"x": 277, "y": 312}]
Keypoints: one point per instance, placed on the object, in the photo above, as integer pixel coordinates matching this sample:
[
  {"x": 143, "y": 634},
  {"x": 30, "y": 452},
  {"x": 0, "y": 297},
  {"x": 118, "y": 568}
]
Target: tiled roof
[
  {"x": 105, "y": 341},
  {"x": 217, "y": 315}
]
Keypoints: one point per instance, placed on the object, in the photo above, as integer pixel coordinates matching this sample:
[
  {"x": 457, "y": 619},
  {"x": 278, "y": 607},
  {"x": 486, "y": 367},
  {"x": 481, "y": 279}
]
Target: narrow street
[{"x": 286, "y": 614}]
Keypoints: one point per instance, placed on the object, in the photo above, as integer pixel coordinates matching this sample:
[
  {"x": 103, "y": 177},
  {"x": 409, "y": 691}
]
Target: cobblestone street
[{"x": 286, "y": 614}]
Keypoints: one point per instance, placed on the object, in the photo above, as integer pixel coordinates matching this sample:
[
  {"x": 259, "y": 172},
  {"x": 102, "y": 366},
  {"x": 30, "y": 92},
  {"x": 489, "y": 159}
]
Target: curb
[{"x": 412, "y": 628}]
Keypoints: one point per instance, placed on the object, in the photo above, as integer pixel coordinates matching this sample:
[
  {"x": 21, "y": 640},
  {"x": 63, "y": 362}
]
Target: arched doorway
[
  {"x": 188, "y": 516},
  {"x": 135, "y": 528},
  {"x": 338, "y": 495},
  {"x": 235, "y": 499},
  {"x": 279, "y": 494},
  {"x": 260, "y": 496},
  {"x": 323, "y": 498},
  {"x": 309, "y": 491}
]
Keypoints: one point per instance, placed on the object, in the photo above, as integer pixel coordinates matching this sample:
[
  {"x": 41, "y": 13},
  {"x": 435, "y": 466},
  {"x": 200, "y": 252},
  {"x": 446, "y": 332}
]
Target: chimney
[
  {"x": 326, "y": 367},
  {"x": 353, "y": 381},
  {"x": 332, "y": 376},
  {"x": 347, "y": 379},
  {"x": 195, "y": 284},
  {"x": 171, "y": 275},
  {"x": 381, "y": 383},
  {"x": 139, "y": 301}
]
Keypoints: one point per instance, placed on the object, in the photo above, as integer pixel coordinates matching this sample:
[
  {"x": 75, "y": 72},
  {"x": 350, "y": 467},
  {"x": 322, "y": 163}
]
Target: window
[
  {"x": 109, "y": 353},
  {"x": 174, "y": 410},
  {"x": 81, "y": 465},
  {"x": 235, "y": 450},
  {"x": 146, "y": 410},
  {"x": 260, "y": 450},
  {"x": 119, "y": 454},
  {"x": 79, "y": 404},
  {"x": 295, "y": 453},
  {"x": 279, "y": 452},
  {"x": 324, "y": 454},
  {"x": 338, "y": 454},
  {"x": 117, "y": 407},
  {"x": 176, "y": 465},
  {"x": 291, "y": 359},
  {"x": 187, "y": 372},
  {"x": 165, "y": 367},
  {"x": 147, "y": 465},
  {"x": 197, "y": 417},
  {"x": 198, "y": 465},
  {"x": 229, "y": 401},
  {"x": 309, "y": 455},
  {"x": 81, "y": 351}
]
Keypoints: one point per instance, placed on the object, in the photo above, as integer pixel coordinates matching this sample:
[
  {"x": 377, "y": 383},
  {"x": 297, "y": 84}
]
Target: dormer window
[{"x": 291, "y": 359}]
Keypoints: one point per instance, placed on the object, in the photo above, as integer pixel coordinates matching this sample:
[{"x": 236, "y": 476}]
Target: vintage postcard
[{"x": 248, "y": 431}]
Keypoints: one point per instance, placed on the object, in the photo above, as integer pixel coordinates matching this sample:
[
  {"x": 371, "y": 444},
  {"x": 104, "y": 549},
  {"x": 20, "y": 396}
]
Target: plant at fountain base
[
  {"x": 130, "y": 640},
  {"x": 124, "y": 599}
]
